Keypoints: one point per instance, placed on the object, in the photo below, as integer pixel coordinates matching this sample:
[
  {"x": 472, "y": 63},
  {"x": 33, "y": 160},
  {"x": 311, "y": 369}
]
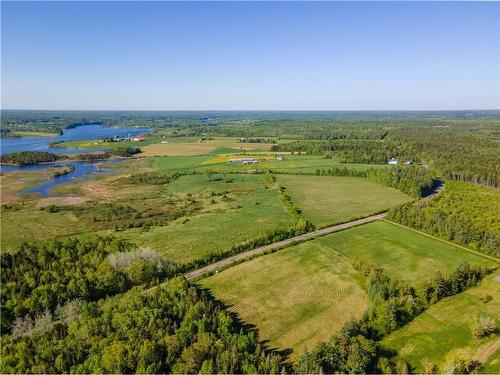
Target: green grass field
[
  {"x": 249, "y": 211},
  {"x": 445, "y": 328},
  {"x": 33, "y": 225},
  {"x": 296, "y": 297},
  {"x": 25, "y": 221},
  {"x": 329, "y": 200},
  {"x": 403, "y": 253},
  {"x": 177, "y": 162},
  {"x": 290, "y": 164}
]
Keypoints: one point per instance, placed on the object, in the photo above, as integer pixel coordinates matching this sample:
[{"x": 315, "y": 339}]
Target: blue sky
[{"x": 250, "y": 55}]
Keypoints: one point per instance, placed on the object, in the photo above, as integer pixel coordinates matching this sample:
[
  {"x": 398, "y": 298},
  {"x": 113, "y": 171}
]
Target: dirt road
[
  {"x": 276, "y": 245},
  {"x": 487, "y": 352}
]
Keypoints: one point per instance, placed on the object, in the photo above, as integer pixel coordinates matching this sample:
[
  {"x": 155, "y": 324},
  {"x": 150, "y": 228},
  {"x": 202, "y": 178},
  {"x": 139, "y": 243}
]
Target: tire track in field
[{"x": 487, "y": 352}]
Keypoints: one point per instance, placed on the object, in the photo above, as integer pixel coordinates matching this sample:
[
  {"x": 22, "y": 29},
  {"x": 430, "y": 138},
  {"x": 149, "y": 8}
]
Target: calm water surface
[
  {"x": 79, "y": 133},
  {"x": 82, "y": 168}
]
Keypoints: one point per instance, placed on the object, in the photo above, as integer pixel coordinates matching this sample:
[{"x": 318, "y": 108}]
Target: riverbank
[
  {"x": 39, "y": 141},
  {"x": 30, "y": 158}
]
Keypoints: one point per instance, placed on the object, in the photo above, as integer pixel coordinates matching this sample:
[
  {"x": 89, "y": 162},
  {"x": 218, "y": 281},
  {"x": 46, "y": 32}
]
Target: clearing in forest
[
  {"x": 327, "y": 200},
  {"x": 296, "y": 297}
]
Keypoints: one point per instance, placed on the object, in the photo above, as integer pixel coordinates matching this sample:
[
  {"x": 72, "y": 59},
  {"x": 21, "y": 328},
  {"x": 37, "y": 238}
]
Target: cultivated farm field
[
  {"x": 403, "y": 253},
  {"x": 326, "y": 200},
  {"x": 296, "y": 297},
  {"x": 177, "y": 162},
  {"x": 215, "y": 145}
]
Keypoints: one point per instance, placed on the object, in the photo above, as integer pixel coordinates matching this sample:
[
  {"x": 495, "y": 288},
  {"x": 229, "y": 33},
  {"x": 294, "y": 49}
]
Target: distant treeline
[
  {"x": 124, "y": 151},
  {"x": 82, "y": 123},
  {"x": 459, "y": 145},
  {"x": 462, "y": 213},
  {"x": 28, "y": 158},
  {"x": 352, "y": 151},
  {"x": 255, "y": 140},
  {"x": 394, "y": 304},
  {"x": 9, "y": 130}
]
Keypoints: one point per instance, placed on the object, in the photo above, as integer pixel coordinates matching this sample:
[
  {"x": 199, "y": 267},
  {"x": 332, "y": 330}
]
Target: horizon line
[{"x": 251, "y": 110}]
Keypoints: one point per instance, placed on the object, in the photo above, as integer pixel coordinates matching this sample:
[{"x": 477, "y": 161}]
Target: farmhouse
[{"x": 244, "y": 161}]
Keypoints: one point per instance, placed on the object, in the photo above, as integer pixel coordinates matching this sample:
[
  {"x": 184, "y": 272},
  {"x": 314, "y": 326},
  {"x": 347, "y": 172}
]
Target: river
[
  {"x": 79, "y": 133},
  {"x": 82, "y": 168}
]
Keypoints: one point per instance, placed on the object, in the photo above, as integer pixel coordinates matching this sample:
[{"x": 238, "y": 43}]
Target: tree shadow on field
[{"x": 248, "y": 327}]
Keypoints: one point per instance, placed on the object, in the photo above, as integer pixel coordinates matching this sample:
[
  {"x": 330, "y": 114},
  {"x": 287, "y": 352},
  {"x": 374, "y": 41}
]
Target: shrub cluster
[{"x": 28, "y": 158}]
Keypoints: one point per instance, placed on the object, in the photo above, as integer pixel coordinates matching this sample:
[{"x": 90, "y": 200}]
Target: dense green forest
[
  {"x": 454, "y": 154},
  {"x": 176, "y": 328},
  {"x": 352, "y": 151},
  {"x": 41, "y": 278},
  {"x": 28, "y": 158},
  {"x": 119, "y": 151},
  {"x": 463, "y": 213},
  {"x": 458, "y": 154}
]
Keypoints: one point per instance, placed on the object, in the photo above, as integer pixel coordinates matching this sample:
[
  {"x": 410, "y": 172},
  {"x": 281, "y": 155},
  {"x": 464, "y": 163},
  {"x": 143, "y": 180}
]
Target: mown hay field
[
  {"x": 296, "y": 297},
  {"x": 201, "y": 147},
  {"x": 177, "y": 162},
  {"x": 401, "y": 252},
  {"x": 327, "y": 200}
]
